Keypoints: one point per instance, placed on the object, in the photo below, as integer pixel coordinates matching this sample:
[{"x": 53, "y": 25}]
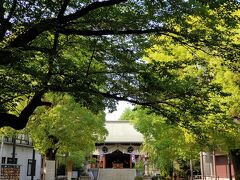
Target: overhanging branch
[
  {"x": 134, "y": 101},
  {"x": 20, "y": 122},
  {"x": 113, "y": 32},
  {"x": 48, "y": 24},
  {"x": 91, "y": 7}
]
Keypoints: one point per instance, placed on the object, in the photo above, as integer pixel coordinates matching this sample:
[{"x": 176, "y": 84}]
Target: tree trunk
[
  {"x": 50, "y": 154},
  {"x": 50, "y": 170},
  {"x": 235, "y": 157},
  {"x": 69, "y": 169},
  {"x": 50, "y": 164}
]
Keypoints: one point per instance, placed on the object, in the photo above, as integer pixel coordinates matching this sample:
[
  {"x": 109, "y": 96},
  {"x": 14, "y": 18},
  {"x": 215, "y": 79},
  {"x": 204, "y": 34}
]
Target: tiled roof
[{"x": 122, "y": 132}]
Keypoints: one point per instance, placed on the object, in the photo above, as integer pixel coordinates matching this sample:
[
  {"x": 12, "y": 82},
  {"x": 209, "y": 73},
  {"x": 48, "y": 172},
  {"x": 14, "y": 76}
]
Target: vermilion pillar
[
  {"x": 130, "y": 161},
  {"x": 104, "y": 161}
]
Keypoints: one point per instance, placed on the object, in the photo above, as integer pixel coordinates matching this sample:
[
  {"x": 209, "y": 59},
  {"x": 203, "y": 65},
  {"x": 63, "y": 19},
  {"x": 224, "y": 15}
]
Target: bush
[
  {"x": 61, "y": 169},
  {"x": 138, "y": 178}
]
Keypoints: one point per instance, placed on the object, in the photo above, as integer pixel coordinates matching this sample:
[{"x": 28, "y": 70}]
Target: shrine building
[{"x": 121, "y": 148}]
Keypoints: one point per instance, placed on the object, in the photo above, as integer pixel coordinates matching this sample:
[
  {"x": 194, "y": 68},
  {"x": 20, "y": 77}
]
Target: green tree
[
  {"x": 92, "y": 50},
  {"x": 164, "y": 142},
  {"x": 65, "y": 127},
  {"x": 126, "y": 115},
  {"x": 211, "y": 131},
  {"x": 220, "y": 72}
]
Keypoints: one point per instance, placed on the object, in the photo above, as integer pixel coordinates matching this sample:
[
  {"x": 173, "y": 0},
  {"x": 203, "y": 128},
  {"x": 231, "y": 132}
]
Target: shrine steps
[{"x": 116, "y": 174}]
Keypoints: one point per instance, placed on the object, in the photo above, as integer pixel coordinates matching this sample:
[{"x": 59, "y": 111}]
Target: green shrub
[
  {"x": 61, "y": 169},
  {"x": 138, "y": 178}
]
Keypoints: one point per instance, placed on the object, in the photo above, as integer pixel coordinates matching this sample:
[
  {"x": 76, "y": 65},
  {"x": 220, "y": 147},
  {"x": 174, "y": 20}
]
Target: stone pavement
[{"x": 117, "y": 174}]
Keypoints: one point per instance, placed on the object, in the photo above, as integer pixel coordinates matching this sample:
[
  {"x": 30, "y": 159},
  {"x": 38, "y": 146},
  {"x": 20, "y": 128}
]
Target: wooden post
[
  {"x": 69, "y": 169},
  {"x": 191, "y": 169},
  {"x": 214, "y": 165},
  {"x": 1, "y": 152},
  {"x": 130, "y": 160},
  {"x": 229, "y": 167},
  {"x": 104, "y": 161},
  {"x": 202, "y": 165}
]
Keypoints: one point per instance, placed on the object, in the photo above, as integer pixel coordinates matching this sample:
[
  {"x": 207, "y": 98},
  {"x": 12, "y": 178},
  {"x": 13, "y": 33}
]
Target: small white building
[{"x": 25, "y": 156}]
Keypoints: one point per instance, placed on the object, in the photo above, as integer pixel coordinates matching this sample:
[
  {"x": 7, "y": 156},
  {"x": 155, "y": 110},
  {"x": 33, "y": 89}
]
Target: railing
[
  {"x": 200, "y": 177},
  {"x": 10, "y": 172},
  {"x": 19, "y": 140}
]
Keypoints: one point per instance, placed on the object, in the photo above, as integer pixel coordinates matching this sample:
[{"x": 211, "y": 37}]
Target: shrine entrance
[{"x": 118, "y": 160}]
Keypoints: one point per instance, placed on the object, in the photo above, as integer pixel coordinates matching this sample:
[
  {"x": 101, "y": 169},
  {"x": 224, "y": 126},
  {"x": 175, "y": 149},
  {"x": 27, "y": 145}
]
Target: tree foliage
[
  {"x": 92, "y": 50},
  {"x": 218, "y": 72},
  {"x": 163, "y": 142},
  {"x": 166, "y": 142},
  {"x": 65, "y": 127}
]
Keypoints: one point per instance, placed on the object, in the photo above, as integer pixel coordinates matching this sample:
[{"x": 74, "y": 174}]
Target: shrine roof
[{"x": 122, "y": 132}]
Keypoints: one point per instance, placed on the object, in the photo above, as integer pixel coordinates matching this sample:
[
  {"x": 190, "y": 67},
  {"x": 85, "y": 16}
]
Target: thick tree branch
[
  {"x": 159, "y": 30},
  {"x": 45, "y": 103},
  {"x": 134, "y": 101},
  {"x": 62, "y": 10},
  {"x": 89, "y": 8},
  {"x": 47, "y": 25},
  {"x": 32, "y": 32},
  {"x": 2, "y": 10},
  {"x": 10, "y": 120},
  {"x": 19, "y": 122}
]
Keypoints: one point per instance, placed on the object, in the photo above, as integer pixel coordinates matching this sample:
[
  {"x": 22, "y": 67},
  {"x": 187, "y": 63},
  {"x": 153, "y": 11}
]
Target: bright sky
[{"x": 122, "y": 105}]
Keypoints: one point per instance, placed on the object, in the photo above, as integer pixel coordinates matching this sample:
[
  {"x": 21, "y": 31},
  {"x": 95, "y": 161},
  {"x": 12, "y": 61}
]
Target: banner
[
  {"x": 101, "y": 157},
  {"x": 133, "y": 158}
]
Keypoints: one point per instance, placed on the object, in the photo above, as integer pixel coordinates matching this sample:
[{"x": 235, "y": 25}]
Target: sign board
[{"x": 11, "y": 172}]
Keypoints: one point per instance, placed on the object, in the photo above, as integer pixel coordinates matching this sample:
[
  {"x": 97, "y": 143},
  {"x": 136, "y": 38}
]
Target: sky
[{"x": 122, "y": 105}]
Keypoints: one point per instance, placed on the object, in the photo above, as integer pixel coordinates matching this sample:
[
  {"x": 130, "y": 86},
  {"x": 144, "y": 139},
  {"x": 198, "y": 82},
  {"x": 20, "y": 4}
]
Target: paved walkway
[{"x": 116, "y": 174}]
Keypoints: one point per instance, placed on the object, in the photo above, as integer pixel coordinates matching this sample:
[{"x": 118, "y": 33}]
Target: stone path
[{"x": 116, "y": 174}]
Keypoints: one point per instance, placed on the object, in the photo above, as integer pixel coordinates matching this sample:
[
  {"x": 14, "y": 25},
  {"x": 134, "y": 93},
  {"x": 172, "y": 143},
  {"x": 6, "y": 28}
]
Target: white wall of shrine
[{"x": 115, "y": 147}]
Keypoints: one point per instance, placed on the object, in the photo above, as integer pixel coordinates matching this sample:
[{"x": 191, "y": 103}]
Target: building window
[
  {"x": 31, "y": 167},
  {"x": 3, "y": 160},
  {"x": 11, "y": 161}
]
